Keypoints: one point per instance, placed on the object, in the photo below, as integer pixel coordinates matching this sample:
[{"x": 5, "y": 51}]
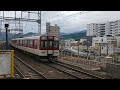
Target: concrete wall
[{"x": 98, "y": 40}]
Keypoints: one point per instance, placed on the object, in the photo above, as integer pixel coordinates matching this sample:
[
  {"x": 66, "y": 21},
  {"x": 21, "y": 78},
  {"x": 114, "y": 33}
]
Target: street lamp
[{"x": 6, "y": 27}]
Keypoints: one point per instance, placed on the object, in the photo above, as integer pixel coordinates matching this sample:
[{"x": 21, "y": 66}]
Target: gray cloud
[{"x": 67, "y": 21}]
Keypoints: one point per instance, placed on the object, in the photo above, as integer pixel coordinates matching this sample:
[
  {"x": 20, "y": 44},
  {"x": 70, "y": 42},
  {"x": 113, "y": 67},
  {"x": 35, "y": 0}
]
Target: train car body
[
  {"x": 113, "y": 70},
  {"x": 46, "y": 47}
]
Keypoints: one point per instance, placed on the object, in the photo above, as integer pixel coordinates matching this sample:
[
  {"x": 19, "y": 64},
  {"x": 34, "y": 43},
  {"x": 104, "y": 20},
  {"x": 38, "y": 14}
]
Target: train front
[{"x": 49, "y": 48}]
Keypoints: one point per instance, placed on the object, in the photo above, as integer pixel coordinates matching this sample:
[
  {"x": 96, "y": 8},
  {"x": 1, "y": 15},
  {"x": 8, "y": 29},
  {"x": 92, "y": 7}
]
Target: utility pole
[
  {"x": 107, "y": 49},
  {"x": 21, "y": 27},
  {"x": 39, "y": 22},
  {"x": 87, "y": 51},
  {"x": 100, "y": 49},
  {"x": 87, "y": 48},
  {"x": 78, "y": 47},
  {"x": 70, "y": 51},
  {"x": 15, "y": 22},
  {"x": 100, "y": 53}
]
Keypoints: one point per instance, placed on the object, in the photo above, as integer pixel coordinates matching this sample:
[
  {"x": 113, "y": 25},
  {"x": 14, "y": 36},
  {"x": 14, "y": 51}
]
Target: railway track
[
  {"x": 25, "y": 71},
  {"x": 75, "y": 68},
  {"x": 18, "y": 73},
  {"x": 66, "y": 68},
  {"x": 48, "y": 71},
  {"x": 54, "y": 70}
]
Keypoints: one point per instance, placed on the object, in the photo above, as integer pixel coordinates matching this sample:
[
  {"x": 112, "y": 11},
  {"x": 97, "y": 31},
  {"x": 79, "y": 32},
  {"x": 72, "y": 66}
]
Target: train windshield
[
  {"x": 50, "y": 44},
  {"x": 56, "y": 44},
  {"x": 44, "y": 44}
]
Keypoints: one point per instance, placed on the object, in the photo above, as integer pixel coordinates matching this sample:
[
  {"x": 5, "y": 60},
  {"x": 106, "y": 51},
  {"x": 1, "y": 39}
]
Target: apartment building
[
  {"x": 52, "y": 30},
  {"x": 91, "y": 29},
  {"x": 101, "y": 29}
]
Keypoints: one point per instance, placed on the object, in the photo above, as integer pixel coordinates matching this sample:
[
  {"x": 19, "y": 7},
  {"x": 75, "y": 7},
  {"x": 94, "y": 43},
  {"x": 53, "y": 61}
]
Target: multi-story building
[
  {"x": 108, "y": 28},
  {"x": 104, "y": 44},
  {"x": 91, "y": 29},
  {"x": 52, "y": 30},
  {"x": 100, "y": 29}
]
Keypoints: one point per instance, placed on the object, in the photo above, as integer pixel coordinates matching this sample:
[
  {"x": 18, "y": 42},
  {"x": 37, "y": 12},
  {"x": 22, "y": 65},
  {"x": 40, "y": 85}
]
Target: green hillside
[{"x": 75, "y": 36}]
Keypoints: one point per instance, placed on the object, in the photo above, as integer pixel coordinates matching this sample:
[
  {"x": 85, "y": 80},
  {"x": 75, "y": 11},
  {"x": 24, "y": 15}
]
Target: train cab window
[
  {"x": 44, "y": 44},
  {"x": 50, "y": 44},
  {"x": 56, "y": 44}
]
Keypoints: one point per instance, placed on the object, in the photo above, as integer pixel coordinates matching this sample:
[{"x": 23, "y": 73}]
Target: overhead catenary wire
[
  {"x": 59, "y": 19},
  {"x": 66, "y": 17},
  {"x": 70, "y": 16},
  {"x": 62, "y": 18},
  {"x": 58, "y": 15},
  {"x": 61, "y": 14}
]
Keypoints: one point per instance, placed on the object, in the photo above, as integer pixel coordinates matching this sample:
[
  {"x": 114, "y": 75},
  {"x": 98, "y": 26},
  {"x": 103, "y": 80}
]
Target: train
[{"x": 44, "y": 47}]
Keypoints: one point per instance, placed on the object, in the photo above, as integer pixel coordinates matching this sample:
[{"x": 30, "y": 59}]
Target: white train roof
[{"x": 32, "y": 37}]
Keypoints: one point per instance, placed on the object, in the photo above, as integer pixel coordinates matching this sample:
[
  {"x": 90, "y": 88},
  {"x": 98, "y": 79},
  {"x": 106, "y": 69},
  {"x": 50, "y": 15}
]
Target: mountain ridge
[{"x": 75, "y": 35}]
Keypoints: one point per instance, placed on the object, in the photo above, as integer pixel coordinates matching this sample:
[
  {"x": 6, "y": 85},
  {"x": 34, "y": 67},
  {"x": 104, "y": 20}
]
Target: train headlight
[
  {"x": 43, "y": 38},
  {"x": 42, "y": 52}
]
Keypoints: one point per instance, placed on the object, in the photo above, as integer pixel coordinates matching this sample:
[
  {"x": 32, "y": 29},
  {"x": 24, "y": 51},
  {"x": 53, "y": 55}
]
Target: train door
[{"x": 50, "y": 50}]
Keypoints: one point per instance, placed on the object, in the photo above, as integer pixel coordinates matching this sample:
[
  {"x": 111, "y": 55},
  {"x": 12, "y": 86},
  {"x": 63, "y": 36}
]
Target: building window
[
  {"x": 102, "y": 40},
  {"x": 102, "y": 47}
]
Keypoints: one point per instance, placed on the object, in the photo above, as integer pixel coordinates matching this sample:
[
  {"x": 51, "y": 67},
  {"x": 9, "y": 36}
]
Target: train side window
[
  {"x": 25, "y": 42},
  {"x": 35, "y": 43},
  {"x": 20, "y": 42},
  {"x": 17, "y": 42},
  {"x": 31, "y": 43}
]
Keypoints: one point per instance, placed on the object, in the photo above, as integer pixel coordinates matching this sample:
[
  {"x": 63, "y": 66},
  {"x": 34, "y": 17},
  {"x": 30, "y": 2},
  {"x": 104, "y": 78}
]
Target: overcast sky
[{"x": 68, "y": 21}]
